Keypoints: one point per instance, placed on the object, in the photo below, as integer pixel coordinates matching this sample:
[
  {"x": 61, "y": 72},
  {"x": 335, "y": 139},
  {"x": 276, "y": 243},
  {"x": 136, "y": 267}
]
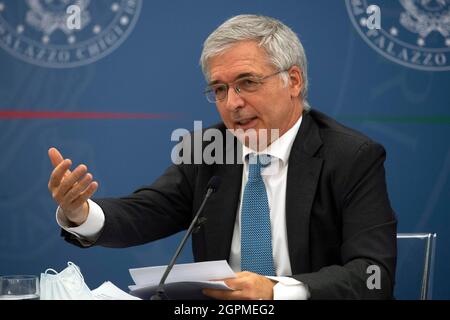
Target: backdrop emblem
[
  {"x": 36, "y": 31},
  {"x": 414, "y": 33}
]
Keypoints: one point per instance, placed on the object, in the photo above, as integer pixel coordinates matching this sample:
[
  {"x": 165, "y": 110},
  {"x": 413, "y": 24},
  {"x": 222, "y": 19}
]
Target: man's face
[{"x": 272, "y": 106}]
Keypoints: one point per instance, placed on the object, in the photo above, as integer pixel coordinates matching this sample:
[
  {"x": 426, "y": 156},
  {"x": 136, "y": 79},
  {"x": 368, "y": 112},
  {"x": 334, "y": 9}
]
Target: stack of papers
[
  {"x": 108, "y": 291},
  {"x": 185, "y": 281}
]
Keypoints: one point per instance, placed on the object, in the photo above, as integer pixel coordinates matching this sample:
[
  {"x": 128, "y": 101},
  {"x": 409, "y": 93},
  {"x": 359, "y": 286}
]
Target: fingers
[
  {"x": 247, "y": 286},
  {"x": 75, "y": 189},
  {"x": 55, "y": 156},
  {"x": 85, "y": 195},
  {"x": 240, "y": 281},
  {"x": 58, "y": 173},
  {"x": 69, "y": 181},
  {"x": 244, "y": 274},
  {"x": 71, "y": 189},
  {"x": 78, "y": 188},
  {"x": 236, "y": 283}
]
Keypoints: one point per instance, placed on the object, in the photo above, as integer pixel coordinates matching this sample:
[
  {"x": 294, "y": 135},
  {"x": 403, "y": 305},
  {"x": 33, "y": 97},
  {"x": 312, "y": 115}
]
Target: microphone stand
[{"x": 196, "y": 223}]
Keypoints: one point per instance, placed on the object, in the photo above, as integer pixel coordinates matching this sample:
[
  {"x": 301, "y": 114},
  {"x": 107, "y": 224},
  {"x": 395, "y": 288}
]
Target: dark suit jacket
[{"x": 338, "y": 216}]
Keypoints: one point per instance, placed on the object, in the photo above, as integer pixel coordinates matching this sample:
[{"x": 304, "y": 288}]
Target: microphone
[{"x": 213, "y": 186}]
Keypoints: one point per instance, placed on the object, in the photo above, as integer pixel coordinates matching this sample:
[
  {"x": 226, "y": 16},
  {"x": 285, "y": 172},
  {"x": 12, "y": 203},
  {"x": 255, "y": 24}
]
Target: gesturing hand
[{"x": 69, "y": 189}]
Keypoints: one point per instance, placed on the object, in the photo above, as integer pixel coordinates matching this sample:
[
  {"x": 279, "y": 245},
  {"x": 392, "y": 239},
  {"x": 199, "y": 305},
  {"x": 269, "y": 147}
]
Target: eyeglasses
[{"x": 219, "y": 92}]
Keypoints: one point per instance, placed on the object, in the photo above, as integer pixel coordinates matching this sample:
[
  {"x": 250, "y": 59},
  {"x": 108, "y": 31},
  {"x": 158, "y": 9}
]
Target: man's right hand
[{"x": 70, "y": 190}]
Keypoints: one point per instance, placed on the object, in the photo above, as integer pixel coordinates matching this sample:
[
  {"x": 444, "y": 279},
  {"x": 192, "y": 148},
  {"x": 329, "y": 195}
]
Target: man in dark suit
[{"x": 314, "y": 221}]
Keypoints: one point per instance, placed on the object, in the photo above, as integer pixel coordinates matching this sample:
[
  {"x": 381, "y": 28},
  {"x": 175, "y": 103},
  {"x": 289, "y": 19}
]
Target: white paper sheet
[
  {"x": 108, "y": 291},
  {"x": 185, "y": 281}
]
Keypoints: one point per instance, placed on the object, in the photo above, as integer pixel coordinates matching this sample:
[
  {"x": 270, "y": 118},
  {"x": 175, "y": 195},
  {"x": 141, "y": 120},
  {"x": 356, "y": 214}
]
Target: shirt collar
[{"x": 280, "y": 148}]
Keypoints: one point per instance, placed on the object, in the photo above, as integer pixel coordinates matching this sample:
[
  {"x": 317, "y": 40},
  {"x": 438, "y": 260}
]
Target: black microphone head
[{"x": 214, "y": 183}]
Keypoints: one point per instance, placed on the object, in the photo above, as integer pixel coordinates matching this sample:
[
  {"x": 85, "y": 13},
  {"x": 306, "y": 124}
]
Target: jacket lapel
[{"x": 302, "y": 179}]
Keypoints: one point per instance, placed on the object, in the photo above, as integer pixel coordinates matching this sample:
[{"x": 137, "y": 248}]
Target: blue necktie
[{"x": 256, "y": 238}]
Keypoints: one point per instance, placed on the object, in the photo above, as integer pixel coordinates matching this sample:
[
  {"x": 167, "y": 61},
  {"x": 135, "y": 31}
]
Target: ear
[{"x": 295, "y": 81}]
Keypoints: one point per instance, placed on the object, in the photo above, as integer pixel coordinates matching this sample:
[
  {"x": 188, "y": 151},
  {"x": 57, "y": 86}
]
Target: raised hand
[{"x": 71, "y": 190}]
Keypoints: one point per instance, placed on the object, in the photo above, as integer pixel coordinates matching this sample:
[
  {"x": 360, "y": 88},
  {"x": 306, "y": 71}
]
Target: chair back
[{"x": 415, "y": 266}]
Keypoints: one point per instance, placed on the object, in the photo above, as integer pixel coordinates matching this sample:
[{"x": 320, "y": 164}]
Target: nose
[{"x": 234, "y": 99}]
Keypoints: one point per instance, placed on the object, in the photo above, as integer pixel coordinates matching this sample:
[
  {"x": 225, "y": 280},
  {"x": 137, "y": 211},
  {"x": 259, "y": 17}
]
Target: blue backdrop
[{"x": 155, "y": 71}]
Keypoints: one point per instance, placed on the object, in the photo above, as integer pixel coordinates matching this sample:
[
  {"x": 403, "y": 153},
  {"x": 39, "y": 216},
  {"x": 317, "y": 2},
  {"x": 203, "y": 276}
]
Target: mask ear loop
[
  {"x": 77, "y": 270},
  {"x": 52, "y": 270},
  {"x": 48, "y": 282}
]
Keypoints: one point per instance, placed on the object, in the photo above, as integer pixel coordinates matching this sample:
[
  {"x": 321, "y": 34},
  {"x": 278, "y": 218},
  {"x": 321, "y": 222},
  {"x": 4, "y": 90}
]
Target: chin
[{"x": 254, "y": 138}]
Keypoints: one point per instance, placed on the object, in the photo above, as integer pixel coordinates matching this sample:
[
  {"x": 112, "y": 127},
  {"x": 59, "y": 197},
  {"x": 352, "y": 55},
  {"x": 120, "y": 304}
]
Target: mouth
[{"x": 246, "y": 123}]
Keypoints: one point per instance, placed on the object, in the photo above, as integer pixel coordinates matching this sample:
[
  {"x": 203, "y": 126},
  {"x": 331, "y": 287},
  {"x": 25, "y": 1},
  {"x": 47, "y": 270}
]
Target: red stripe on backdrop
[{"x": 10, "y": 114}]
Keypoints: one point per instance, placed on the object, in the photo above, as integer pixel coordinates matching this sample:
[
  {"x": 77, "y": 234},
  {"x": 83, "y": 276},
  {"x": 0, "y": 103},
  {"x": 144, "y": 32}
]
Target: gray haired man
[{"x": 309, "y": 229}]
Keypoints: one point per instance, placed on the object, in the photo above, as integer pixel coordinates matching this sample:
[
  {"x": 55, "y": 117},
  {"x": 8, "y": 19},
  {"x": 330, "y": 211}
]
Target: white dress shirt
[{"x": 274, "y": 177}]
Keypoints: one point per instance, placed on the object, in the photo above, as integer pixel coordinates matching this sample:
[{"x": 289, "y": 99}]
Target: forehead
[{"x": 243, "y": 57}]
